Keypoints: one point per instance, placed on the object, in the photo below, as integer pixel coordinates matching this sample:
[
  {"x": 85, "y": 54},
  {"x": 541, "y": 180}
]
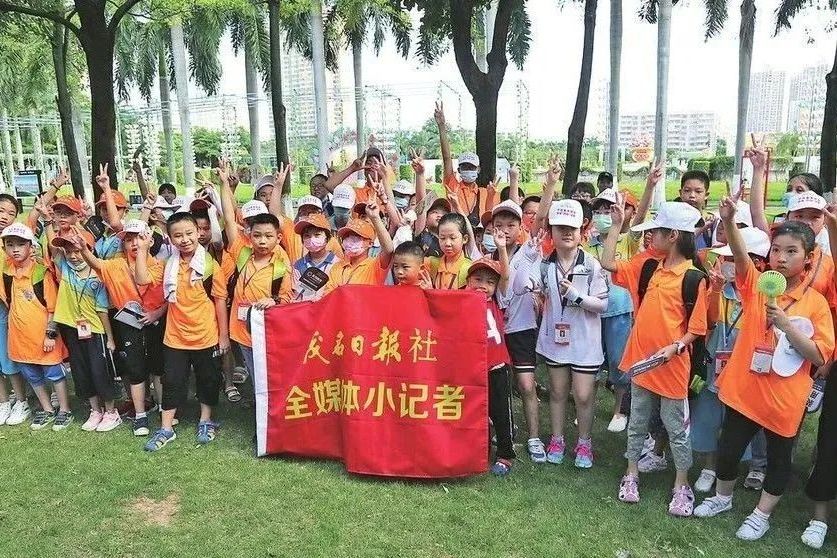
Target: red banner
[{"x": 392, "y": 381}]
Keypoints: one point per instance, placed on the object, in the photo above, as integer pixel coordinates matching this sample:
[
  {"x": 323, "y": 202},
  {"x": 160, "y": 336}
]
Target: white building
[
  {"x": 807, "y": 102},
  {"x": 766, "y": 102},
  {"x": 298, "y": 94},
  {"x": 688, "y": 132}
]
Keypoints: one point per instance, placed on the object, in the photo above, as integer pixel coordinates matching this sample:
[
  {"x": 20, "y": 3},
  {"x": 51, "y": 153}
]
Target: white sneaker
[
  {"x": 814, "y": 535},
  {"x": 652, "y": 463},
  {"x": 110, "y": 420},
  {"x": 92, "y": 421},
  {"x": 618, "y": 423},
  {"x": 5, "y": 411},
  {"x": 753, "y": 528},
  {"x": 12, "y": 398},
  {"x": 705, "y": 481},
  {"x": 711, "y": 507},
  {"x": 537, "y": 451},
  {"x": 20, "y": 413}
]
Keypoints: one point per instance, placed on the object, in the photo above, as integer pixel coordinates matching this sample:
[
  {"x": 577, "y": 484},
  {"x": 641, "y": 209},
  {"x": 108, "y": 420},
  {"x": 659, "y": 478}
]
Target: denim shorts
[
  {"x": 38, "y": 374},
  {"x": 7, "y": 367},
  {"x": 615, "y": 333}
]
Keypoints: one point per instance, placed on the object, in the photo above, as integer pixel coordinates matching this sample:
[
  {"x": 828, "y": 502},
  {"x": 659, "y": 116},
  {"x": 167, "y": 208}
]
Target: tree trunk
[
  {"x": 9, "y": 160},
  {"x": 21, "y": 162},
  {"x": 251, "y": 80},
  {"x": 615, "y": 86},
  {"x": 279, "y": 115},
  {"x": 165, "y": 109},
  {"x": 745, "y": 59},
  {"x": 828, "y": 139},
  {"x": 320, "y": 93},
  {"x": 81, "y": 149},
  {"x": 575, "y": 136},
  {"x": 181, "y": 80},
  {"x": 661, "y": 120},
  {"x": 98, "y": 51},
  {"x": 64, "y": 102},
  {"x": 481, "y": 44},
  {"x": 357, "y": 64},
  {"x": 486, "y": 134},
  {"x": 37, "y": 145}
]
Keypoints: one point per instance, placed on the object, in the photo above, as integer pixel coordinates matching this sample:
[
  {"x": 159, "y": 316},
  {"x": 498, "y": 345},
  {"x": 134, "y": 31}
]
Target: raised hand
[
  {"x": 372, "y": 210},
  {"x": 831, "y": 213},
  {"x": 439, "y": 114},
  {"x": 282, "y": 173},
  {"x": 716, "y": 278},
  {"x": 656, "y": 174},
  {"x": 617, "y": 212},
  {"x": 425, "y": 282},
  {"x": 554, "y": 171},
  {"x": 757, "y": 154},
  {"x": 102, "y": 179},
  {"x": 137, "y": 164},
  {"x": 501, "y": 239},
  {"x": 417, "y": 160},
  {"x": 537, "y": 240},
  {"x": 514, "y": 173},
  {"x": 223, "y": 170},
  {"x": 727, "y": 209},
  {"x": 61, "y": 179}
]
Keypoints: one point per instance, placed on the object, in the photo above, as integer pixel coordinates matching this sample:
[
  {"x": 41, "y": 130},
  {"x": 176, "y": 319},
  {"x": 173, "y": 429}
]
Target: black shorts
[
  {"x": 577, "y": 368},
  {"x": 521, "y": 346}
]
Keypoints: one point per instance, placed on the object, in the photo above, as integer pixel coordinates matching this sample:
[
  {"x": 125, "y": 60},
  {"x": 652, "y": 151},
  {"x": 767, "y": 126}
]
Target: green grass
[{"x": 76, "y": 494}]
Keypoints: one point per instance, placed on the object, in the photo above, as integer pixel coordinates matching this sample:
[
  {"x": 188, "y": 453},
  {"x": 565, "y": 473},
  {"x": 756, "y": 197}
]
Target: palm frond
[
  {"x": 716, "y": 16},
  {"x": 520, "y": 35},
  {"x": 788, "y": 9},
  {"x": 203, "y": 31}
]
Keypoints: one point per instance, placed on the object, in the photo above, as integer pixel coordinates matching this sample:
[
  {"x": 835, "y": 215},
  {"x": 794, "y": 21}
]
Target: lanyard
[
  {"x": 726, "y": 329},
  {"x": 78, "y": 298},
  {"x": 252, "y": 275},
  {"x": 565, "y": 274}
]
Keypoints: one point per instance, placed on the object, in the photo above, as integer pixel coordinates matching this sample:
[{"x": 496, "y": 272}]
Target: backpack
[
  {"x": 698, "y": 355},
  {"x": 279, "y": 272},
  {"x": 38, "y": 274}
]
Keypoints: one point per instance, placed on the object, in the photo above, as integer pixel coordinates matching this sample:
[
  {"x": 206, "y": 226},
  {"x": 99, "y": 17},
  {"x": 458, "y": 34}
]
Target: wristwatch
[
  {"x": 51, "y": 334},
  {"x": 578, "y": 301},
  {"x": 680, "y": 347}
]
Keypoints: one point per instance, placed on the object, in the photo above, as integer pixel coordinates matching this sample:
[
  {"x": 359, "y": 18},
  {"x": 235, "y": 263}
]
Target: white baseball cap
[
  {"x": 468, "y": 158},
  {"x": 567, "y": 213},
  {"x": 756, "y": 240},
  {"x": 677, "y": 216},
  {"x": 133, "y": 226},
  {"x": 19, "y": 230},
  {"x": 253, "y": 208},
  {"x": 404, "y": 187},
  {"x": 806, "y": 200},
  {"x": 161, "y": 203},
  {"x": 507, "y": 206},
  {"x": 786, "y": 360},
  {"x": 608, "y": 194},
  {"x": 344, "y": 197},
  {"x": 310, "y": 200},
  {"x": 266, "y": 180}
]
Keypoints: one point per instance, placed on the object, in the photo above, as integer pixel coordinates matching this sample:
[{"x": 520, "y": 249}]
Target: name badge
[
  {"x": 562, "y": 334},
  {"x": 243, "y": 310},
  {"x": 762, "y": 359},
  {"x": 84, "y": 330},
  {"x": 721, "y": 359}
]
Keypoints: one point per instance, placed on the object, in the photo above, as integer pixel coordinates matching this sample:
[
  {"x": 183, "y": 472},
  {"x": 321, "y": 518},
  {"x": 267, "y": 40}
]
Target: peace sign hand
[{"x": 103, "y": 180}]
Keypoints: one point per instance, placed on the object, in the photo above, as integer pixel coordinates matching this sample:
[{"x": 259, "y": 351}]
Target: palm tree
[
  {"x": 661, "y": 119},
  {"x": 280, "y": 126},
  {"x": 181, "y": 80},
  {"x": 320, "y": 96},
  {"x": 615, "y": 85}
]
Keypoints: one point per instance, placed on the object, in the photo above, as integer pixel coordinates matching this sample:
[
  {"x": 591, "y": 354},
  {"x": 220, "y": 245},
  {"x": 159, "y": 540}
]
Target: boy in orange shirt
[
  {"x": 357, "y": 268},
  {"x": 30, "y": 292},
  {"x": 196, "y": 326}
]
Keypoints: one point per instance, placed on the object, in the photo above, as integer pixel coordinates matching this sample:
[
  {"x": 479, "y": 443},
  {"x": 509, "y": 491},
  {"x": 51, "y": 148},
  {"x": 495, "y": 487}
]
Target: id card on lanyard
[{"x": 723, "y": 354}]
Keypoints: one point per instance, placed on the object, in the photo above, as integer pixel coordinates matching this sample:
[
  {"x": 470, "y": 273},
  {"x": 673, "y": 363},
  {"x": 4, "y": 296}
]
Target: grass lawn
[{"x": 77, "y": 494}]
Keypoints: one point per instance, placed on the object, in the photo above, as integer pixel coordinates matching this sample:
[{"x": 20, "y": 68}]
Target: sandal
[
  {"x": 233, "y": 395},
  {"x": 629, "y": 489},
  {"x": 239, "y": 375}
]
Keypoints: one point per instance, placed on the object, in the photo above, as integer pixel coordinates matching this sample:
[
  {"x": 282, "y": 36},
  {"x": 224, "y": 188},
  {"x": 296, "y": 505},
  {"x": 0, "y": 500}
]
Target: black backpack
[{"x": 698, "y": 354}]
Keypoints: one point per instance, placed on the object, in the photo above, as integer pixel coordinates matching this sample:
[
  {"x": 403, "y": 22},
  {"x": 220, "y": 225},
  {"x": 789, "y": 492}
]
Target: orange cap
[
  {"x": 312, "y": 220},
  {"x": 486, "y": 263},
  {"x": 630, "y": 198},
  {"x": 118, "y": 199},
  {"x": 485, "y": 218},
  {"x": 64, "y": 242},
  {"x": 70, "y": 202},
  {"x": 360, "y": 227}
]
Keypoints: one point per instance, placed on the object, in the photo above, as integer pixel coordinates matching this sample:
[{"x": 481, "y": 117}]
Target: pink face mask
[
  {"x": 314, "y": 243},
  {"x": 354, "y": 246}
]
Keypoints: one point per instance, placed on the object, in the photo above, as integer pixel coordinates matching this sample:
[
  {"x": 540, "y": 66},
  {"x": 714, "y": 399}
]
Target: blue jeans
[
  {"x": 615, "y": 332},
  {"x": 7, "y": 367}
]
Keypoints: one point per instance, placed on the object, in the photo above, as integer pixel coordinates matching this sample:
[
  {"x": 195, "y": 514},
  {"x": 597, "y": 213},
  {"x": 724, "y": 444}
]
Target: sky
[{"x": 703, "y": 74}]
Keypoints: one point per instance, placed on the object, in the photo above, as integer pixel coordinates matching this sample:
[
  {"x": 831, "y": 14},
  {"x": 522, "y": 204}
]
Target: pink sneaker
[
  {"x": 110, "y": 420},
  {"x": 92, "y": 421},
  {"x": 555, "y": 450},
  {"x": 629, "y": 489},
  {"x": 682, "y": 502},
  {"x": 584, "y": 455}
]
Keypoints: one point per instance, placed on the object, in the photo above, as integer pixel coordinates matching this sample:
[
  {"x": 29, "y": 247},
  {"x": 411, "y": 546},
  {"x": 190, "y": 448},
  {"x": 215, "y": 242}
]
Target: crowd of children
[{"x": 714, "y": 331}]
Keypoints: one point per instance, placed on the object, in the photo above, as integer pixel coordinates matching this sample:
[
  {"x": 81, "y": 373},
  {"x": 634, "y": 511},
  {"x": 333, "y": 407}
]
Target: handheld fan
[{"x": 772, "y": 284}]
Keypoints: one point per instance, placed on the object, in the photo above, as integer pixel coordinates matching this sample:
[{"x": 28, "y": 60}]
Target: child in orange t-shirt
[
  {"x": 767, "y": 381},
  {"x": 34, "y": 345},
  {"x": 449, "y": 271},
  {"x": 357, "y": 268}
]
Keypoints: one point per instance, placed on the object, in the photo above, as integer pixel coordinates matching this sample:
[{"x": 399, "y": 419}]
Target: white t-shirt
[{"x": 519, "y": 309}]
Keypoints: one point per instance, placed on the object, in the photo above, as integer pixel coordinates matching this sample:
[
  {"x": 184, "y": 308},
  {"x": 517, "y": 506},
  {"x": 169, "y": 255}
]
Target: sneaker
[
  {"x": 537, "y": 453},
  {"x": 629, "y": 489},
  {"x": 160, "y": 439},
  {"x": 584, "y": 455},
  {"x": 682, "y": 502},
  {"x": 501, "y": 468},
  {"x": 42, "y": 419},
  {"x": 555, "y": 451},
  {"x": 141, "y": 426},
  {"x": 647, "y": 445},
  {"x": 618, "y": 423},
  {"x": 754, "y": 480},
  {"x": 710, "y": 507},
  {"x": 206, "y": 431},
  {"x": 754, "y": 527},
  {"x": 814, "y": 535},
  {"x": 62, "y": 420},
  {"x": 652, "y": 463},
  {"x": 12, "y": 398},
  {"x": 53, "y": 400},
  {"x": 5, "y": 412},
  {"x": 705, "y": 481},
  {"x": 92, "y": 421},
  {"x": 20, "y": 413},
  {"x": 110, "y": 420}
]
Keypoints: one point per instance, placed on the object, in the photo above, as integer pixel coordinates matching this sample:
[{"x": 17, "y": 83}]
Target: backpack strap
[
  {"x": 689, "y": 290},
  {"x": 38, "y": 275},
  {"x": 208, "y": 271},
  {"x": 649, "y": 266},
  {"x": 7, "y": 288},
  {"x": 279, "y": 272}
]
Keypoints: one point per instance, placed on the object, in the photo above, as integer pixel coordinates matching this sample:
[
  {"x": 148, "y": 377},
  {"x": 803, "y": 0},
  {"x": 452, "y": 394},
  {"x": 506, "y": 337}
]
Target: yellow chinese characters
[
  {"x": 388, "y": 346},
  {"x": 314, "y": 347},
  {"x": 422, "y": 347}
]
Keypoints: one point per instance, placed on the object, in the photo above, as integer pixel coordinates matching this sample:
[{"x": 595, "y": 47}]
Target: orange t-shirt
[
  {"x": 191, "y": 323},
  {"x": 468, "y": 194},
  {"x": 774, "y": 402},
  {"x": 118, "y": 277},
  {"x": 28, "y": 318},
  {"x": 822, "y": 276},
  {"x": 660, "y": 321},
  {"x": 292, "y": 242},
  {"x": 253, "y": 285},
  {"x": 367, "y": 271}
]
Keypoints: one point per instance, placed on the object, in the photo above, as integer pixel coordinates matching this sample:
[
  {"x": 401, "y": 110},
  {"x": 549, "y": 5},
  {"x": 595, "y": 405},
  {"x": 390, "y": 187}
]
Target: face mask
[
  {"x": 314, "y": 243},
  {"x": 728, "y": 271},
  {"x": 353, "y": 246},
  {"x": 402, "y": 203},
  {"x": 787, "y": 197},
  {"x": 80, "y": 266},
  {"x": 488, "y": 243},
  {"x": 603, "y": 222},
  {"x": 469, "y": 176}
]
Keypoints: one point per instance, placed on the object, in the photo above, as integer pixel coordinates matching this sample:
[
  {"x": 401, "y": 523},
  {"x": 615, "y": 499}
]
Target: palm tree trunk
[
  {"x": 37, "y": 145},
  {"x": 65, "y": 107},
  {"x": 165, "y": 109},
  {"x": 745, "y": 59},
  {"x": 320, "y": 93},
  {"x": 661, "y": 120},
  {"x": 21, "y": 162},
  {"x": 181, "y": 80},
  {"x": 81, "y": 149},
  {"x": 251, "y": 81},
  {"x": 615, "y": 85},
  {"x": 9, "y": 160},
  {"x": 575, "y": 136},
  {"x": 280, "y": 126},
  {"x": 357, "y": 64},
  {"x": 828, "y": 141}
]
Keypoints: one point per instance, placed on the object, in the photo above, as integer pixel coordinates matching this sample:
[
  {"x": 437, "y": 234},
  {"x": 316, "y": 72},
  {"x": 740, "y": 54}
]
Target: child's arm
[
  {"x": 515, "y": 194},
  {"x": 525, "y": 278},
  {"x": 228, "y": 202},
  {"x": 111, "y": 344},
  {"x": 223, "y": 325},
  {"x": 553, "y": 175},
  {"x": 804, "y": 345},
  {"x": 591, "y": 302},
  {"x": 143, "y": 185},
  {"x": 713, "y": 302},
  {"x": 726, "y": 207},
  {"x": 501, "y": 240},
  {"x": 617, "y": 217},
  {"x": 417, "y": 162},
  {"x": 447, "y": 160},
  {"x": 656, "y": 174},
  {"x": 147, "y": 207},
  {"x": 336, "y": 179},
  {"x": 758, "y": 158},
  {"x": 143, "y": 276},
  {"x": 95, "y": 263},
  {"x": 387, "y": 247},
  {"x": 103, "y": 180},
  {"x": 275, "y": 206}
]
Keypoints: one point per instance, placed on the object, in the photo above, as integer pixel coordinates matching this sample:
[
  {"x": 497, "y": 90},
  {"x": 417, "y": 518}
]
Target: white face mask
[
  {"x": 80, "y": 266},
  {"x": 354, "y": 246},
  {"x": 728, "y": 271},
  {"x": 469, "y": 176},
  {"x": 488, "y": 243}
]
